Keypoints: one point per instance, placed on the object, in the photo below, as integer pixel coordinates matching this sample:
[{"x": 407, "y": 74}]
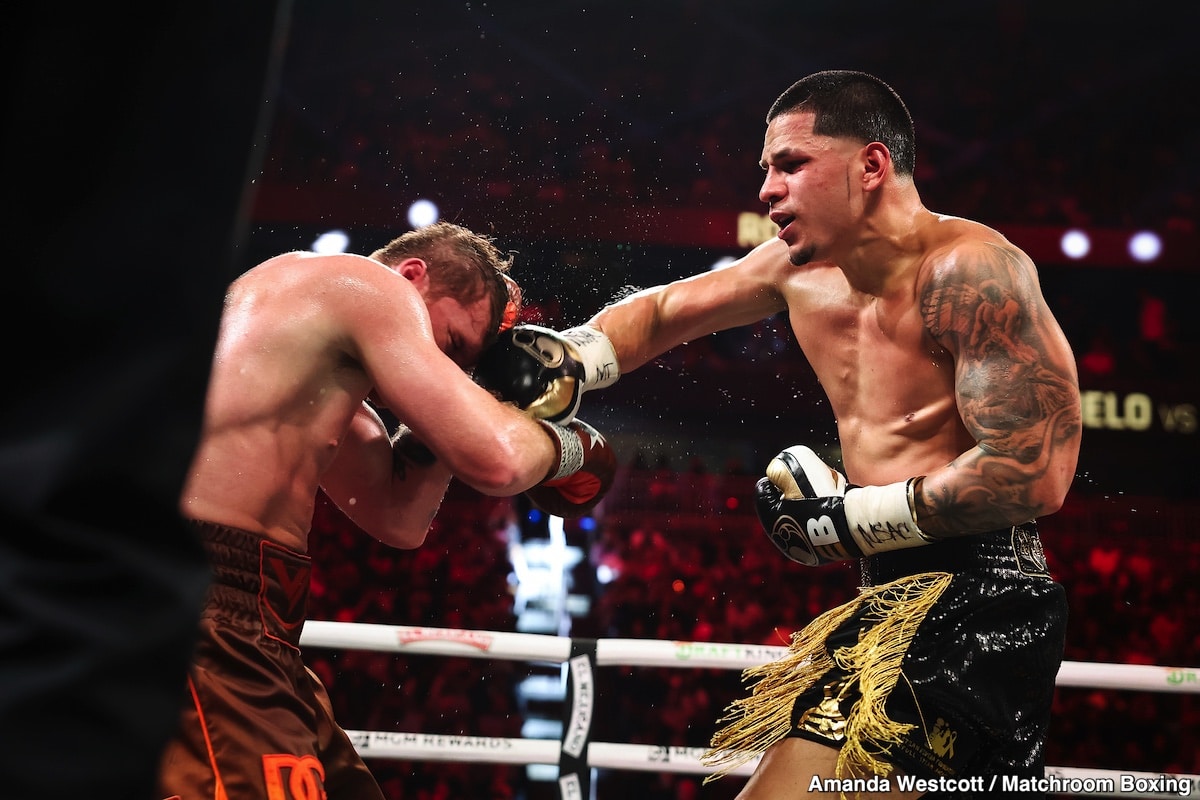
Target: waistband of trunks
[
  {"x": 1018, "y": 548},
  {"x": 255, "y": 578}
]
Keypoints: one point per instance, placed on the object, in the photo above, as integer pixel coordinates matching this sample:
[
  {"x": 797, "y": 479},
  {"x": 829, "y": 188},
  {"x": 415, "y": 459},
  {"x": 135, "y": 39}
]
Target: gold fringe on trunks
[{"x": 893, "y": 613}]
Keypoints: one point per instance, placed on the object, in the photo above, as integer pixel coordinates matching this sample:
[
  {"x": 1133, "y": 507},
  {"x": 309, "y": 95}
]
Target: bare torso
[
  {"x": 941, "y": 361},
  {"x": 305, "y": 339},
  {"x": 282, "y": 394},
  {"x": 890, "y": 385},
  {"x": 906, "y": 405}
]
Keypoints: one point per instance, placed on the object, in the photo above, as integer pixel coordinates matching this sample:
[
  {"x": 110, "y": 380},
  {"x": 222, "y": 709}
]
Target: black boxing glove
[
  {"x": 587, "y": 465},
  {"x": 814, "y": 517},
  {"x": 545, "y": 372}
]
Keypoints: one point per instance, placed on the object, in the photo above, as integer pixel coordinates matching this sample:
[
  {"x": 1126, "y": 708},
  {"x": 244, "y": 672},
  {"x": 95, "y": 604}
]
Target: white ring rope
[
  {"x": 686, "y": 760},
  {"x": 658, "y": 653},
  {"x": 530, "y": 647}
]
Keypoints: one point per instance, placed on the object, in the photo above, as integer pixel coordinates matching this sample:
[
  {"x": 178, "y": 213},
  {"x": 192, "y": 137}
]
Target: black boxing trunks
[
  {"x": 944, "y": 666},
  {"x": 256, "y": 722}
]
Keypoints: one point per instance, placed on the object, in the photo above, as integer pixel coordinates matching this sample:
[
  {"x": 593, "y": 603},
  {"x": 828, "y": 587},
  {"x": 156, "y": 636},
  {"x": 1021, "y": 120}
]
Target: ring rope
[
  {"x": 686, "y": 760},
  {"x": 507, "y": 646},
  {"x": 569, "y": 752}
]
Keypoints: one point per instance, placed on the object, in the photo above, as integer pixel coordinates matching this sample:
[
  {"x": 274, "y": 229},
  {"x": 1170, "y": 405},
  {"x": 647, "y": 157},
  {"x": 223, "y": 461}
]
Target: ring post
[{"x": 574, "y": 773}]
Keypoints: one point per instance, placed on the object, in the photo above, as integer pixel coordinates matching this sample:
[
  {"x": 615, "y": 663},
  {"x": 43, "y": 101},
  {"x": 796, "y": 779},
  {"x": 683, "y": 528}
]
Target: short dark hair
[
  {"x": 462, "y": 264},
  {"x": 854, "y": 105}
]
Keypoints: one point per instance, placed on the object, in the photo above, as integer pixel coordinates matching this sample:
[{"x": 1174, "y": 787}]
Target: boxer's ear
[{"x": 415, "y": 270}]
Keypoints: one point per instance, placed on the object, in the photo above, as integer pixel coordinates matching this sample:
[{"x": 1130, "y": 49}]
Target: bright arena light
[
  {"x": 331, "y": 242},
  {"x": 422, "y": 213},
  {"x": 1145, "y": 246},
  {"x": 1075, "y": 244}
]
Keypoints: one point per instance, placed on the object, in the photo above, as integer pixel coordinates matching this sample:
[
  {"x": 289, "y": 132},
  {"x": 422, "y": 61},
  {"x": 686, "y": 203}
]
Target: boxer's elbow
[
  {"x": 402, "y": 536},
  {"x": 504, "y": 469},
  {"x": 1049, "y": 493},
  {"x": 501, "y": 483}
]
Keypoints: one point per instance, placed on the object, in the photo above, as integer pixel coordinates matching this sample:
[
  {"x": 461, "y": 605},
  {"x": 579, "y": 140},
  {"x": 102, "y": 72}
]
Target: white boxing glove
[
  {"x": 545, "y": 372},
  {"x": 813, "y": 516}
]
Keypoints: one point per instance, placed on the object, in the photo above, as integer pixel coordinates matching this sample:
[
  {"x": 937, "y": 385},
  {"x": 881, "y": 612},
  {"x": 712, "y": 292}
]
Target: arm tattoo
[{"x": 1015, "y": 395}]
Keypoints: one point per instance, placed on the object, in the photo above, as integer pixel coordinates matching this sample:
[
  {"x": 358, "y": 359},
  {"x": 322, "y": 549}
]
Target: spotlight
[
  {"x": 331, "y": 242},
  {"x": 422, "y": 213},
  {"x": 1075, "y": 244},
  {"x": 1145, "y": 246}
]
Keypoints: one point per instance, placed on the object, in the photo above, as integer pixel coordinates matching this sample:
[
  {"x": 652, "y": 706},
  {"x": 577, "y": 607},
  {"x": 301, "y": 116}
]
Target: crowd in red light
[{"x": 685, "y": 565}]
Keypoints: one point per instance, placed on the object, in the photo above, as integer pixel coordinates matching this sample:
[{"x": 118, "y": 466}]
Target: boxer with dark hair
[{"x": 958, "y": 412}]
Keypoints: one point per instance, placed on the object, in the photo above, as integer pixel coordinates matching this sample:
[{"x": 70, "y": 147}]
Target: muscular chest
[{"x": 873, "y": 356}]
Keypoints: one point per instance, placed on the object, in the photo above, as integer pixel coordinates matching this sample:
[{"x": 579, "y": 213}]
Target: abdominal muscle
[
  {"x": 890, "y": 385},
  {"x": 878, "y": 450}
]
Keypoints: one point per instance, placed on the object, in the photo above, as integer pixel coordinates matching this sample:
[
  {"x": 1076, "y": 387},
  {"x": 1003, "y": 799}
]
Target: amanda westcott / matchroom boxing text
[{"x": 1052, "y": 783}]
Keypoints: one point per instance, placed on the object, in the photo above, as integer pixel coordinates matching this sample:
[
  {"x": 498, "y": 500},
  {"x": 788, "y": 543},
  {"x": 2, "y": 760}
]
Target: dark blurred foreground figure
[{"x": 129, "y": 147}]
